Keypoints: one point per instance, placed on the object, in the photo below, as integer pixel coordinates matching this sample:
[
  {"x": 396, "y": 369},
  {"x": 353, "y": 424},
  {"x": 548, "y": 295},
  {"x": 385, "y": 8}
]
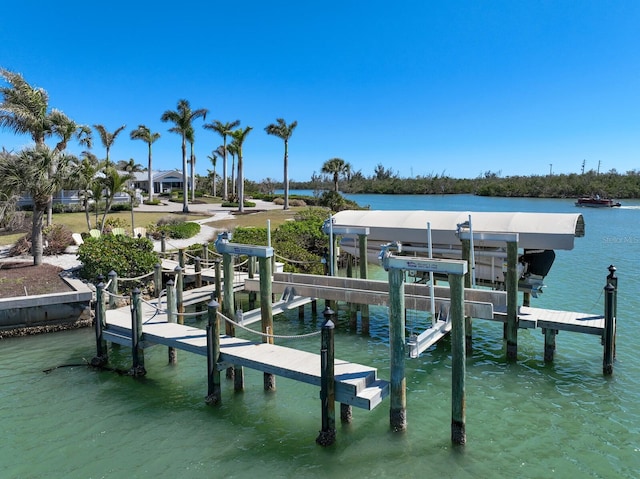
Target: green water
[{"x": 526, "y": 419}]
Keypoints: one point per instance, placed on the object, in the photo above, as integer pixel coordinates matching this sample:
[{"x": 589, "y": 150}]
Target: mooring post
[
  {"x": 458, "y": 359},
  {"x": 228, "y": 307},
  {"x": 252, "y": 274},
  {"x": 613, "y": 280},
  {"x": 113, "y": 289},
  {"x": 364, "y": 274},
  {"x": 609, "y": 329},
  {"x": 217, "y": 281},
  {"x": 214, "y": 392},
  {"x": 101, "y": 357},
  {"x": 205, "y": 253},
  {"x": 352, "y": 307},
  {"x": 172, "y": 309},
  {"x": 398, "y": 393},
  {"x": 266, "y": 313},
  {"x": 468, "y": 323},
  {"x": 163, "y": 242},
  {"x": 179, "y": 294},
  {"x": 136, "y": 335},
  {"x": 157, "y": 279},
  {"x": 181, "y": 257},
  {"x": 327, "y": 434},
  {"x": 198, "y": 271},
  {"x": 512, "y": 300},
  {"x": 549, "y": 343}
]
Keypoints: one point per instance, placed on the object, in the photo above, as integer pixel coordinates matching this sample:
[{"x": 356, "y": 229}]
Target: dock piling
[
  {"x": 266, "y": 312},
  {"x": 214, "y": 392},
  {"x": 137, "y": 351},
  {"x": 458, "y": 359},
  {"x": 101, "y": 357},
  {"x": 327, "y": 434},
  {"x": 512, "y": 300},
  {"x": 609, "y": 329},
  {"x": 172, "y": 309},
  {"x": 398, "y": 386}
]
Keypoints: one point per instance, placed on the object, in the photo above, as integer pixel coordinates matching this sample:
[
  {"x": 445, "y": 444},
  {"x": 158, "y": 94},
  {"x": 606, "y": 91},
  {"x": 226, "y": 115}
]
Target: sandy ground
[{"x": 213, "y": 212}]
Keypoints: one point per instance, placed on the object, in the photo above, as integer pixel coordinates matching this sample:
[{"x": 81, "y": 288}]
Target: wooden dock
[{"x": 355, "y": 384}]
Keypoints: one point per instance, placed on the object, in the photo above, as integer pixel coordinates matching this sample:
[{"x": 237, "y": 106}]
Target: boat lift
[{"x": 440, "y": 326}]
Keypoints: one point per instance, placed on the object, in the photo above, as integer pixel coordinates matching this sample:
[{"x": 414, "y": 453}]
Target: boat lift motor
[{"x": 224, "y": 247}]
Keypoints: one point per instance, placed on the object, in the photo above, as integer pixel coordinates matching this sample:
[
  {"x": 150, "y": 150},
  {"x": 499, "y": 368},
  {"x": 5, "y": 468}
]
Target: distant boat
[{"x": 597, "y": 202}]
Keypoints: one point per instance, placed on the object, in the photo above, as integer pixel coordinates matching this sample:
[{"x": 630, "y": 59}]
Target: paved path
[{"x": 213, "y": 212}]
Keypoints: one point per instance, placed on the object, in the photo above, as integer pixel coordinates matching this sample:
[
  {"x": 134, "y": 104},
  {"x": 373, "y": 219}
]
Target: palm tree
[
  {"x": 223, "y": 129},
  {"x": 113, "y": 183},
  {"x": 84, "y": 177},
  {"x": 232, "y": 148},
  {"x": 239, "y": 136},
  {"x": 182, "y": 118},
  {"x": 191, "y": 138},
  {"x": 214, "y": 160},
  {"x": 108, "y": 138},
  {"x": 283, "y": 131},
  {"x": 24, "y": 109},
  {"x": 336, "y": 167},
  {"x": 29, "y": 172},
  {"x": 144, "y": 133}
]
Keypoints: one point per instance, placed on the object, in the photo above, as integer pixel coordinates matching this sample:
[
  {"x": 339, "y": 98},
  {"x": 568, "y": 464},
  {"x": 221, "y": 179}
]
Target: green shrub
[
  {"x": 181, "y": 230},
  {"x": 113, "y": 222},
  {"x": 234, "y": 204},
  {"x": 128, "y": 257}
]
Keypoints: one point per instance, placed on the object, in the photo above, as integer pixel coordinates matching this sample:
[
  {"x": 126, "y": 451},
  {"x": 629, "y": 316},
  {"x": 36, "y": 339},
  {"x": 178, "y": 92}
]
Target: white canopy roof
[{"x": 536, "y": 230}]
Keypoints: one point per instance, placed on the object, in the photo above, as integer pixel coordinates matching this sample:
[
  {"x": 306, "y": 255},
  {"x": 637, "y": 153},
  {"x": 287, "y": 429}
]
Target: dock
[{"x": 356, "y": 385}]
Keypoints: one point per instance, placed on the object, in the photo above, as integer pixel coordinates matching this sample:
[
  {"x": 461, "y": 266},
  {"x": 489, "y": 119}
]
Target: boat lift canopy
[{"x": 548, "y": 231}]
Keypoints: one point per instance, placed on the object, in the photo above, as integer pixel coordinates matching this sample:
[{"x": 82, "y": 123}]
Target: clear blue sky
[{"x": 422, "y": 87}]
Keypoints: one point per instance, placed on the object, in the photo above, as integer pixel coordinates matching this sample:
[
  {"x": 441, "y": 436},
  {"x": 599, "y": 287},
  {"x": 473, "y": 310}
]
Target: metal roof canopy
[{"x": 535, "y": 230}]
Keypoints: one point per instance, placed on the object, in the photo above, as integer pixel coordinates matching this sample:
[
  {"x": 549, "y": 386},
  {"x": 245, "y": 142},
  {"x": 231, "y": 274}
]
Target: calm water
[{"x": 525, "y": 419}]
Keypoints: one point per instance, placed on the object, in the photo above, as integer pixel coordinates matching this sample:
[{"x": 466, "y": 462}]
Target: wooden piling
[
  {"x": 549, "y": 343},
  {"x": 137, "y": 369},
  {"x": 458, "y": 359},
  {"x": 613, "y": 280},
  {"x": 352, "y": 307},
  {"x": 609, "y": 329},
  {"x": 172, "y": 309},
  {"x": 214, "y": 391},
  {"x": 327, "y": 434},
  {"x": 512, "y": 300},
  {"x": 364, "y": 274},
  {"x": 101, "y": 357},
  {"x": 113, "y": 289},
  {"x": 217, "y": 280},
  {"x": 157, "y": 279},
  {"x": 468, "y": 323},
  {"x": 181, "y": 262},
  {"x": 266, "y": 312},
  {"x": 228, "y": 307},
  {"x": 163, "y": 242},
  {"x": 252, "y": 274},
  {"x": 179, "y": 294},
  {"x": 398, "y": 393},
  {"x": 198, "y": 272}
]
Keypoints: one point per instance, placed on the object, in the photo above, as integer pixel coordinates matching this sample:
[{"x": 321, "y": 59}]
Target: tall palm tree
[
  {"x": 191, "y": 138},
  {"x": 29, "y": 171},
  {"x": 24, "y": 109},
  {"x": 336, "y": 167},
  {"x": 85, "y": 179},
  {"x": 113, "y": 183},
  {"x": 144, "y": 133},
  {"x": 183, "y": 118},
  {"x": 108, "y": 138},
  {"x": 214, "y": 160},
  {"x": 232, "y": 148},
  {"x": 224, "y": 130},
  {"x": 239, "y": 136},
  {"x": 130, "y": 167},
  {"x": 284, "y": 132}
]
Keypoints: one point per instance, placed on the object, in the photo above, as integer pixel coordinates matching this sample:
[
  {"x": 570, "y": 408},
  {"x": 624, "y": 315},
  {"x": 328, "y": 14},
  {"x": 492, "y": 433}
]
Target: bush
[
  {"x": 181, "y": 230},
  {"x": 128, "y": 257},
  {"x": 56, "y": 239},
  {"x": 113, "y": 222}
]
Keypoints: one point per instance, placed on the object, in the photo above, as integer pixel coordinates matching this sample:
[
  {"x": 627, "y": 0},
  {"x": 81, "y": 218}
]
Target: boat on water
[{"x": 597, "y": 202}]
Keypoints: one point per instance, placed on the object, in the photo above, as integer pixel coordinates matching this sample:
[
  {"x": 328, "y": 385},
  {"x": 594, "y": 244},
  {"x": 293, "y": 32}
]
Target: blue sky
[{"x": 422, "y": 87}]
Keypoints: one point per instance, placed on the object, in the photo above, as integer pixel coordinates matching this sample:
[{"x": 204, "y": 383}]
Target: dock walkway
[{"x": 356, "y": 385}]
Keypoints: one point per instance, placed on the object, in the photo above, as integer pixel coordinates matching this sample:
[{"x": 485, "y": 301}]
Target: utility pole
[
  {"x": 599, "y": 166},
  {"x": 583, "y": 163},
  {"x": 550, "y": 169}
]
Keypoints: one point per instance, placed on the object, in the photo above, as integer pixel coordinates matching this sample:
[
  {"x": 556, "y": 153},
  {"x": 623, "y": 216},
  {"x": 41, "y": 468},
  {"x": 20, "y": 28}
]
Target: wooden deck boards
[{"x": 355, "y": 384}]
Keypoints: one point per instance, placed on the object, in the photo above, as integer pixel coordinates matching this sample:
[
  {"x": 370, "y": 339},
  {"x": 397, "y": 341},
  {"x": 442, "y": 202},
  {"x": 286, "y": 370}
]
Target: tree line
[{"x": 385, "y": 181}]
